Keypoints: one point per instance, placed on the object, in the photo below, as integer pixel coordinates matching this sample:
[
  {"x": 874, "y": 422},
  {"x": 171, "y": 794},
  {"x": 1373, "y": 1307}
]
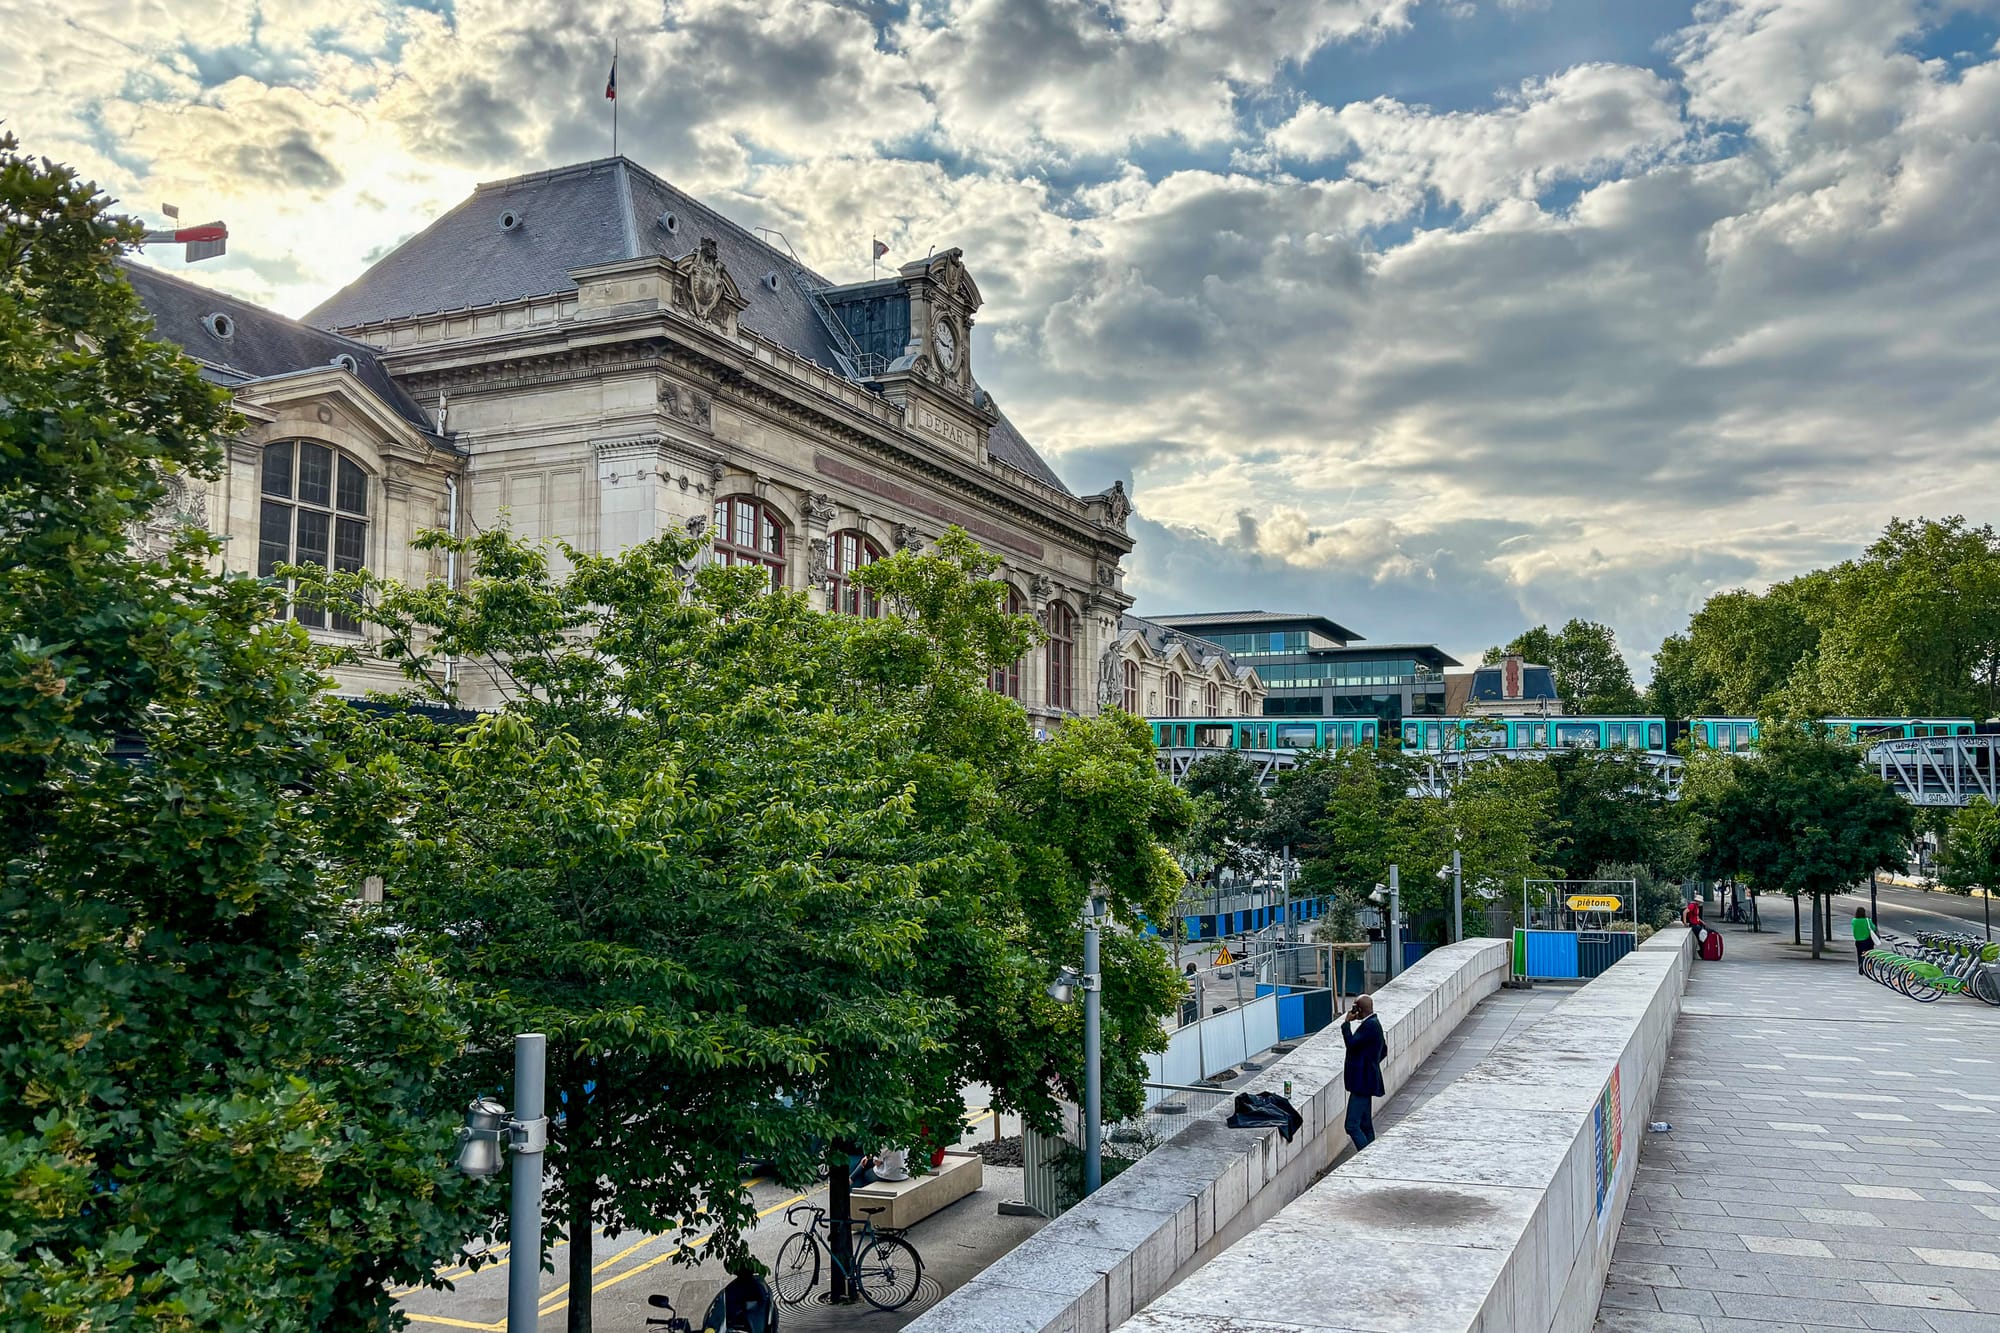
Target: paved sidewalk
[{"x": 1834, "y": 1161}]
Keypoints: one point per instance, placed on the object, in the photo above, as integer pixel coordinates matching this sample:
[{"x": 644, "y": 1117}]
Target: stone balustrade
[
  {"x": 1189, "y": 1199},
  {"x": 1495, "y": 1206}
]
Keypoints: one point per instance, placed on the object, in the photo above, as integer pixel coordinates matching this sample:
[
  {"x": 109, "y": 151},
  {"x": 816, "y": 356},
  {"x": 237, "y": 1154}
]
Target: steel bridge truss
[{"x": 1925, "y": 770}]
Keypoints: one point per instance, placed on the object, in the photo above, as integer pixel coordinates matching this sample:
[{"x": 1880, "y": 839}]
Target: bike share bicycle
[{"x": 885, "y": 1268}]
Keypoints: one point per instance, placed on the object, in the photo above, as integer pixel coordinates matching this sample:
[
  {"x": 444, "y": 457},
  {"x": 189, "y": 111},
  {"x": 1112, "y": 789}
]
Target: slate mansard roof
[
  {"x": 255, "y": 343},
  {"x": 599, "y": 213}
]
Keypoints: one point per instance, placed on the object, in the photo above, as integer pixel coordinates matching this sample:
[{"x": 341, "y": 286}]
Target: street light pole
[
  {"x": 1093, "y": 1072},
  {"x": 524, "y": 1209},
  {"x": 1457, "y": 896},
  {"x": 490, "y": 1127}
]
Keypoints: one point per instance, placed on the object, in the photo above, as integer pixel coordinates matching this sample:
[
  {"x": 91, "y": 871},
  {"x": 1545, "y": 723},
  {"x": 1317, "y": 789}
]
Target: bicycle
[{"x": 885, "y": 1269}]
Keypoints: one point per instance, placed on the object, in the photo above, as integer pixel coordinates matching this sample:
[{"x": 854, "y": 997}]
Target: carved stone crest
[
  {"x": 689, "y": 406},
  {"x": 1107, "y": 576},
  {"x": 820, "y": 508},
  {"x": 908, "y": 538},
  {"x": 1040, "y": 589},
  {"x": 705, "y": 279},
  {"x": 819, "y": 562}
]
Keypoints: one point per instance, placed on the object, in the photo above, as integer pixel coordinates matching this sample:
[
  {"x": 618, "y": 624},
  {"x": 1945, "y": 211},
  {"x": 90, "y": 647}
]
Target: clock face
[{"x": 945, "y": 339}]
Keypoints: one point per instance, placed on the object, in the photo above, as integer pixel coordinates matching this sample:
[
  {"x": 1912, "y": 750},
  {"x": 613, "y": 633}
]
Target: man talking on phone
[{"x": 1362, "y": 1075}]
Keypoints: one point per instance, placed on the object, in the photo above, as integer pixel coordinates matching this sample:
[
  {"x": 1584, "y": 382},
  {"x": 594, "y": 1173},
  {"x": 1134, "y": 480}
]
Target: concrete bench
[{"x": 908, "y": 1202}]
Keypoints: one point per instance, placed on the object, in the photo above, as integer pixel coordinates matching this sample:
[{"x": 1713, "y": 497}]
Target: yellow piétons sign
[{"x": 1595, "y": 902}]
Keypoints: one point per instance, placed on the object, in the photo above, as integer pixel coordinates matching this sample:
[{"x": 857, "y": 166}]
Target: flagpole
[{"x": 614, "y": 100}]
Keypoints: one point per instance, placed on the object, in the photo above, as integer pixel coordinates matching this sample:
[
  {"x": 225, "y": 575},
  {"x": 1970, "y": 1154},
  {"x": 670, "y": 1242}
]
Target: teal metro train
[{"x": 1435, "y": 735}]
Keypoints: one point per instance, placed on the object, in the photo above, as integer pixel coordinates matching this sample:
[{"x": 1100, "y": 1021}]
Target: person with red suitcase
[{"x": 1707, "y": 942}]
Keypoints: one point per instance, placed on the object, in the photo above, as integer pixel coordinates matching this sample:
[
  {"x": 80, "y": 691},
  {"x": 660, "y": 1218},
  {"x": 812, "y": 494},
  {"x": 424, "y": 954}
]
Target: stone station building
[{"x": 588, "y": 354}]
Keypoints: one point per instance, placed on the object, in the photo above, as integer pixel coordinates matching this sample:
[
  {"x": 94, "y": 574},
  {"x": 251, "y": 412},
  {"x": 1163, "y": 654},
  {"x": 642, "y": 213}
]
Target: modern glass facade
[{"x": 1310, "y": 669}]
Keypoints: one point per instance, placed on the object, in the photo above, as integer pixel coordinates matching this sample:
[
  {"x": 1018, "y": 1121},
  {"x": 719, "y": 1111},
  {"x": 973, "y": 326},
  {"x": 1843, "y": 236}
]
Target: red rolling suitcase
[{"x": 1711, "y": 947}]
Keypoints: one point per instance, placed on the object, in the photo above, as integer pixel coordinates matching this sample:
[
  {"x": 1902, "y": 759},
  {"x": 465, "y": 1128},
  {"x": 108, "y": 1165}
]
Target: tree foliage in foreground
[
  {"x": 769, "y": 879},
  {"x": 1803, "y": 817},
  {"x": 214, "y": 1104}
]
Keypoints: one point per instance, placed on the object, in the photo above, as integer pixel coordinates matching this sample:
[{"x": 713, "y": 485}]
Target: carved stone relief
[
  {"x": 820, "y": 508},
  {"x": 689, "y": 406},
  {"x": 818, "y": 561},
  {"x": 1117, "y": 505},
  {"x": 1040, "y": 589},
  {"x": 908, "y": 538}
]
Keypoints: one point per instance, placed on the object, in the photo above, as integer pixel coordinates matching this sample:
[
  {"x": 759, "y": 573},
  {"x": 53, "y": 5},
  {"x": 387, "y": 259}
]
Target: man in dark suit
[{"x": 1362, "y": 1076}]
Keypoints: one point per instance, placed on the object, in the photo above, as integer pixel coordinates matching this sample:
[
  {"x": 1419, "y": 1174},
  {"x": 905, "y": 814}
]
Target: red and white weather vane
[{"x": 204, "y": 241}]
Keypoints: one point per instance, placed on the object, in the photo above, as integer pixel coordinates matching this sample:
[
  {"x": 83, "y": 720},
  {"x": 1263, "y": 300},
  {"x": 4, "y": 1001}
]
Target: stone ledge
[
  {"x": 1479, "y": 1211},
  {"x": 1195, "y": 1194}
]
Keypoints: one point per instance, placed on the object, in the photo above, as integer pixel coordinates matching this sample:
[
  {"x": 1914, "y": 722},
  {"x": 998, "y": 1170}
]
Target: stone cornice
[{"x": 777, "y": 383}]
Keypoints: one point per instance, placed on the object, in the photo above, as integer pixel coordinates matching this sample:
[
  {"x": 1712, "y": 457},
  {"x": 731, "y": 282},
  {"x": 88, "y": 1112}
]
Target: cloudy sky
[{"x": 1442, "y": 317}]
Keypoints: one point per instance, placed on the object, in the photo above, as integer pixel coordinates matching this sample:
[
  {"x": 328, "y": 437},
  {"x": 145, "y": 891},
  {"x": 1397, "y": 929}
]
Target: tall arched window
[
  {"x": 314, "y": 511},
  {"x": 1173, "y": 694},
  {"x": 851, "y": 550},
  {"x": 1214, "y": 699},
  {"x": 748, "y": 532},
  {"x": 1131, "y": 683},
  {"x": 1007, "y": 679},
  {"x": 1060, "y": 622}
]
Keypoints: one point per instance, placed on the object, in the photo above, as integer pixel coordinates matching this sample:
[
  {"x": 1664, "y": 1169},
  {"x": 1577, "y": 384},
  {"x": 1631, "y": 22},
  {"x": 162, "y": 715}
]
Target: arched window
[
  {"x": 1214, "y": 699},
  {"x": 314, "y": 511},
  {"x": 748, "y": 532},
  {"x": 851, "y": 550},
  {"x": 1173, "y": 694},
  {"x": 1131, "y": 682},
  {"x": 1007, "y": 679},
  {"x": 1060, "y": 622}
]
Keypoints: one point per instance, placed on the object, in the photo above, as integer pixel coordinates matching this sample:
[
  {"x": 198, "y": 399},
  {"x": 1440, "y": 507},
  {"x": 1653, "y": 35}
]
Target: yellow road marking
[
  {"x": 454, "y": 1323},
  {"x": 987, "y": 1114},
  {"x": 661, "y": 1258}
]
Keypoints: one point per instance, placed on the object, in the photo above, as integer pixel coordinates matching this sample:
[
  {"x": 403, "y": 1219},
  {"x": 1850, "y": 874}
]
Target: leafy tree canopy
[
  {"x": 1803, "y": 816},
  {"x": 1590, "y": 673},
  {"x": 769, "y": 879},
  {"x": 1910, "y": 627},
  {"x": 216, "y": 1097},
  {"x": 1970, "y": 855},
  {"x": 1229, "y": 809}
]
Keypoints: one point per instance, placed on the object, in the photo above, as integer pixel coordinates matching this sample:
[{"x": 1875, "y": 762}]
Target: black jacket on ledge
[{"x": 1366, "y": 1049}]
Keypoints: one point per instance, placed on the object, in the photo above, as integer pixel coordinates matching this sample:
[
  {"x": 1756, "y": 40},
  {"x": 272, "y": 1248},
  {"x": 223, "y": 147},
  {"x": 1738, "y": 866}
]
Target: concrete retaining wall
[
  {"x": 1493, "y": 1208},
  {"x": 1189, "y": 1199}
]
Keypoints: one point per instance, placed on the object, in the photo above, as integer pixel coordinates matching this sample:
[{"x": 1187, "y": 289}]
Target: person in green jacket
[{"x": 1864, "y": 938}]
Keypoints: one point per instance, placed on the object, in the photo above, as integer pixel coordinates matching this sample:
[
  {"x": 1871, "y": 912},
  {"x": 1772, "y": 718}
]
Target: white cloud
[{"x": 1764, "y": 320}]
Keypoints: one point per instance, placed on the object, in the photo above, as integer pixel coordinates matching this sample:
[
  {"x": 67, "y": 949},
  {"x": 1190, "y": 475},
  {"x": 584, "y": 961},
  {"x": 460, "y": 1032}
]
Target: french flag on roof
[{"x": 611, "y": 84}]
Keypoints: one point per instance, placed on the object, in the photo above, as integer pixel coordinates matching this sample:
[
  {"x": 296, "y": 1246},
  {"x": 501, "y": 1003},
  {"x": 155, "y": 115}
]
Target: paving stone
[{"x": 1835, "y": 1161}]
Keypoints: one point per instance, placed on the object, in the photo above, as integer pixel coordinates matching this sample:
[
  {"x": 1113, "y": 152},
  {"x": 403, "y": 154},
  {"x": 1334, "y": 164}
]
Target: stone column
[{"x": 819, "y": 512}]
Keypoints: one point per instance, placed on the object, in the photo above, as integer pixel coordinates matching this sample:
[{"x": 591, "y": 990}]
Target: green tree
[
  {"x": 1500, "y": 818},
  {"x": 1739, "y": 653},
  {"x": 216, "y": 1094},
  {"x": 1970, "y": 856},
  {"x": 1913, "y": 627},
  {"x": 1590, "y": 672},
  {"x": 1610, "y": 805},
  {"x": 767, "y": 878},
  {"x": 1229, "y": 809},
  {"x": 1804, "y": 817}
]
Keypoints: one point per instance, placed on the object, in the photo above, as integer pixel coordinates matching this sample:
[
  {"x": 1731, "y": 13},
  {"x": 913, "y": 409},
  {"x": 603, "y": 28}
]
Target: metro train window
[
  {"x": 1347, "y": 735},
  {"x": 1298, "y": 737},
  {"x": 1213, "y": 738},
  {"x": 1367, "y": 733},
  {"x": 1257, "y": 737},
  {"x": 1656, "y": 735},
  {"x": 1431, "y": 736},
  {"x": 1577, "y": 735},
  {"x": 1635, "y": 734},
  {"x": 1743, "y": 737}
]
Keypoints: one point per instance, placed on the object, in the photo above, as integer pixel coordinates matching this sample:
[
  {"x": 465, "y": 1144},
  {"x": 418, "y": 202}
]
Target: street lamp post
[
  {"x": 1090, "y": 982},
  {"x": 489, "y": 1127},
  {"x": 1392, "y": 898},
  {"x": 1456, "y": 873}
]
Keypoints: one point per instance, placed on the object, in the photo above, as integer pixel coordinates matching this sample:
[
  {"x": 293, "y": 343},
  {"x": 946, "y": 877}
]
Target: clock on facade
[{"x": 944, "y": 338}]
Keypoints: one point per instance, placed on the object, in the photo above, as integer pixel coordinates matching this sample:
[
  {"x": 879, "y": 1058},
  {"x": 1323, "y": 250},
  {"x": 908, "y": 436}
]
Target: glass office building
[{"x": 1313, "y": 667}]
